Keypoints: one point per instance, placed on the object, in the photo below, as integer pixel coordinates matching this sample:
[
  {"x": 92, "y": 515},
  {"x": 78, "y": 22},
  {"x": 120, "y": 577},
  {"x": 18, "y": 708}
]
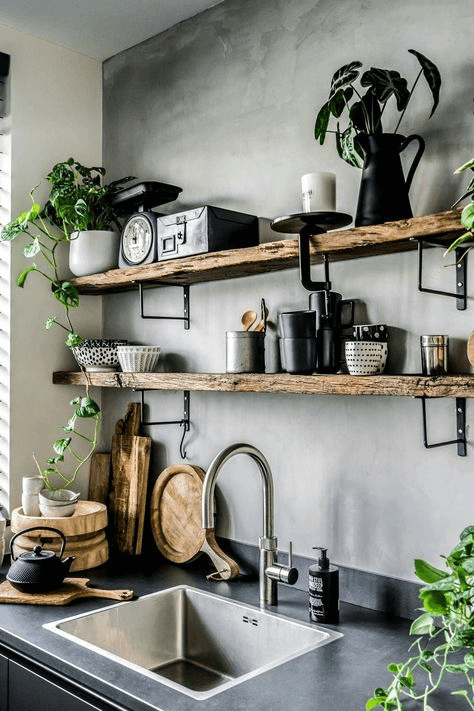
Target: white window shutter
[{"x": 5, "y": 216}]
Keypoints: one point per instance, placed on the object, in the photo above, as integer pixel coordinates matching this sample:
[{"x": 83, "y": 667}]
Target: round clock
[{"x": 138, "y": 240}]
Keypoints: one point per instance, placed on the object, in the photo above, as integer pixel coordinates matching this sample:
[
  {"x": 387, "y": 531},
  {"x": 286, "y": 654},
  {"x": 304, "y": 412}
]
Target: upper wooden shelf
[
  {"x": 396, "y": 385},
  {"x": 274, "y": 256}
]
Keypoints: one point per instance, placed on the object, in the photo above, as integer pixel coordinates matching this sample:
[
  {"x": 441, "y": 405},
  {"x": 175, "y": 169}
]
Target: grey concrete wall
[{"x": 224, "y": 105}]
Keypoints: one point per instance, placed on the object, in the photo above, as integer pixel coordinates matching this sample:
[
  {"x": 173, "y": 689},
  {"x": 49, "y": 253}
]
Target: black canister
[{"x": 324, "y": 590}]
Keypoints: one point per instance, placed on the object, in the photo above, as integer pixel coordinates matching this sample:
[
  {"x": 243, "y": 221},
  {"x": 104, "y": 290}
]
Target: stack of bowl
[
  {"x": 298, "y": 341},
  {"x": 367, "y": 353}
]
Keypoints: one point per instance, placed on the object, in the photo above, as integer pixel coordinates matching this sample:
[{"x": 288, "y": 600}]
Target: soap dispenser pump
[{"x": 324, "y": 590}]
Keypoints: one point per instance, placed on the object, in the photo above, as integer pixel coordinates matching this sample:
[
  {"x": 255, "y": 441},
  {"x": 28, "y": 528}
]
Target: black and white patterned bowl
[
  {"x": 103, "y": 342},
  {"x": 97, "y": 358},
  {"x": 370, "y": 332},
  {"x": 366, "y": 357}
]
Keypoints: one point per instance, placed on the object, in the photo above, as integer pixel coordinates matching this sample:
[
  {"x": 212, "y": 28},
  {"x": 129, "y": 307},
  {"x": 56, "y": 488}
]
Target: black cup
[
  {"x": 329, "y": 305},
  {"x": 298, "y": 324},
  {"x": 298, "y": 355}
]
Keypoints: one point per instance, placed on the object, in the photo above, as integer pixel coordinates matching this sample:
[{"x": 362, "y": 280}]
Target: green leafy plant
[
  {"x": 365, "y": 105},
  {"x": 467, "y": 215},
  {"x": 52, "y": 474},
  {"x": 77, "y": 201},
  {"x": 444, "y": 634}
]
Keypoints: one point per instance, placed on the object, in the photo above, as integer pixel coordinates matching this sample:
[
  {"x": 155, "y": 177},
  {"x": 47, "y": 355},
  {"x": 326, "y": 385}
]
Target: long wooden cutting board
[
  {"x": 130, "y": 457},
  {"x": 71, "y": 589}
]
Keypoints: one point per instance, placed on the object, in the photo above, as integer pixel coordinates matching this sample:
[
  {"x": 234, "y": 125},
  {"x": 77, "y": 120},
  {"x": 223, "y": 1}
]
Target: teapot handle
[
  {"x": 39, "y": 528},
  {"x": 416, "y": 159}
]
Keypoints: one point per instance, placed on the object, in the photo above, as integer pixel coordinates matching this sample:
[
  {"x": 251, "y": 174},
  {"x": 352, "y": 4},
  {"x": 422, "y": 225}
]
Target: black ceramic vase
[{"x": 383, "y": 194}]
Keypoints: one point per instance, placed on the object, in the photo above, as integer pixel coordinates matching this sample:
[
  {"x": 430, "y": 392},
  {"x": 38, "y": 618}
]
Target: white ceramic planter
[{"x": 93, "y": 252}]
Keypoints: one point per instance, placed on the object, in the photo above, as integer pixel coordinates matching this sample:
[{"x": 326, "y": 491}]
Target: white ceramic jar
[{"x": 93, "y": 252}]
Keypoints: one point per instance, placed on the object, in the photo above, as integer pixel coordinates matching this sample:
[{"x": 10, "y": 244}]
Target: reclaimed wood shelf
[
  {"x": 452, "y": 386},
  {"x": 350, "y": 243}
]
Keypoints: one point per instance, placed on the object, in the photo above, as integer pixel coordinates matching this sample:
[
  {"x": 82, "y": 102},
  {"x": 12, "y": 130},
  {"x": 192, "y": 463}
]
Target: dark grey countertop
[{"x": 339, "y": 676}]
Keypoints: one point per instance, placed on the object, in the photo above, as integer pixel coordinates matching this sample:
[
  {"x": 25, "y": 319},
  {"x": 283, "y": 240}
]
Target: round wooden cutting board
[{"x": 175, "y": 518}]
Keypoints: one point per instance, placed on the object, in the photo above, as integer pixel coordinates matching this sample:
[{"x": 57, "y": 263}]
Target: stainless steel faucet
[{"x": 270, "y": 571}]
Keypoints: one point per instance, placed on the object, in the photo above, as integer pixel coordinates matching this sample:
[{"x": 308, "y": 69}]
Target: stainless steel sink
[{"x": 196, "y": 642}]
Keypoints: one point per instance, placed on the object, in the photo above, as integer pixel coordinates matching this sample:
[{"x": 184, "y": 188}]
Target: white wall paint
[
  {"x": 56, "y": 113},
  {"x": 224, "y": 105}
]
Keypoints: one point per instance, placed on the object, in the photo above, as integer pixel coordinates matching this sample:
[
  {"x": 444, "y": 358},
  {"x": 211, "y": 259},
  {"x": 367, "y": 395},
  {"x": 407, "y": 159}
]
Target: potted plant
[
  {"x": 45, "y": 229},
  {"x": 82, "y": 206},
  {"x": 362, "y": 142},
  {"x": 444, "y": 634}
]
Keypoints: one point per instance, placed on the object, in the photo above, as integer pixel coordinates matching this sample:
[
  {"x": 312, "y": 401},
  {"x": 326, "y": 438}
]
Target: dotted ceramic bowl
[
  {"x": 95, "y": 359},
  {"x": 366, "y": 357},
  {"x": 138, "y": 359}
]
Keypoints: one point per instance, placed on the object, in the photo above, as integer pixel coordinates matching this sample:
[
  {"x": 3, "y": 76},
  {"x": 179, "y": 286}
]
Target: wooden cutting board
[
  {"x": 71, "y": 589},
  {"x": 130, "y": 459},
  {"x": 470, "y": 349},
  {"x": 99, "y": 477},
  {"x": 175, "y": 518}
]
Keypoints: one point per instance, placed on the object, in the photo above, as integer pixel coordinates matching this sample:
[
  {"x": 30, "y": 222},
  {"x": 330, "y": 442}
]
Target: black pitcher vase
[{"x": 383, "y": 194}]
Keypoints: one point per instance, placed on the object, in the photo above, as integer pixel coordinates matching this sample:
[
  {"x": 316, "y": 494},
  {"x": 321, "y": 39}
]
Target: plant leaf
[
  {"x": 61, "y": 445},
  {"x": 428, "y": 573},
  {"x": 422, "y": 625},
  {"x": 386, "y": 83},
  {"x": 22, "y": 278},
  {"x": 344, "y": 76},
  {"x": 73, "y": 340},
  {"x": 366, "y": 114},
  {"x": 322, "y": 121},
  {"x": 465, "y": 166},
  {"x": 50, "y": 322},
  {"x": 67, "y": 294},
  {"x": 467, "y": 216},
  {"x": 432, "y": 76},
  {"x": 435, "y": 601},
  {"x": 32, "y": 249}
]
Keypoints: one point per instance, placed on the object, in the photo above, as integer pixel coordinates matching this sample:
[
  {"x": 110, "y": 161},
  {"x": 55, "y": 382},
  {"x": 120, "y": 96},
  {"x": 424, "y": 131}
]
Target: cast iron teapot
[{"x": 38, "y": 570}]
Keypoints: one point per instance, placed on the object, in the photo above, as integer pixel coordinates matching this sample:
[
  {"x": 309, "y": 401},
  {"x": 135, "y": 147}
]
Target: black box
[{"x": 204, "y": 229}]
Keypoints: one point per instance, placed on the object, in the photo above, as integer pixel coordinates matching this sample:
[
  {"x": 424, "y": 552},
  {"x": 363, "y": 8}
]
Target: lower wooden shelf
[{"x": 461, "y": 385}]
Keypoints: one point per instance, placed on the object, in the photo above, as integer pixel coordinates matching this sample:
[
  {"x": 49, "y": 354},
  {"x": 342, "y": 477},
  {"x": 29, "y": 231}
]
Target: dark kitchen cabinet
[
  {"x": 3, "y": 683},
  {"x": 28, "y": 691}
]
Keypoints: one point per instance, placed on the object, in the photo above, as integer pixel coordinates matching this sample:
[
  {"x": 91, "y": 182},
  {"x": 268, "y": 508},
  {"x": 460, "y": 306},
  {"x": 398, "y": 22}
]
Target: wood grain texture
[
  {"x": 89, "y": 517},
  {"x": 127, "y": 500},
  {"x": 470, "y": 349},
  {"x": 175, "y": 518},
  {"x": 99, "y": 477},
  {"x": 275, "y": 256},
  {"x": 71, "y": 589},
  {"x": 461, "y": 385},
  {"x": 88, "y": 554}
]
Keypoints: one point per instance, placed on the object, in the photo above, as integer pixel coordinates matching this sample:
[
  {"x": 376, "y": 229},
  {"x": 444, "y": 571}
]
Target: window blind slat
[{"x": 5, "y": 216}]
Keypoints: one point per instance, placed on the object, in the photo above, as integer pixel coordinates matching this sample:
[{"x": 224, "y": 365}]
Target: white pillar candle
[{"x": 319, "y": 192}]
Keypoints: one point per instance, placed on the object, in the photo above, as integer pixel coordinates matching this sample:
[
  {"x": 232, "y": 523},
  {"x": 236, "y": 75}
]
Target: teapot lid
[{"x": 37, "y": 555}]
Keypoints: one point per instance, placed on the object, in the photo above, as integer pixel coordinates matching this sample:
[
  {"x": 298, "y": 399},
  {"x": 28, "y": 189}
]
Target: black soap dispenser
[{"x": 324, "y": 590}]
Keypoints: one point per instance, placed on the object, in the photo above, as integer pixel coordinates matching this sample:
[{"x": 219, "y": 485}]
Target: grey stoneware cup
[
  {"x": 298, "y": 324},
  {"x": 298, "y": 355}
]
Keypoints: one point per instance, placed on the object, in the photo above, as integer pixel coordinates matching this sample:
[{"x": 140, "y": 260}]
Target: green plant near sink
[
  {"x": 444, "y": 633},
  {"x": 77, "y": 200}
]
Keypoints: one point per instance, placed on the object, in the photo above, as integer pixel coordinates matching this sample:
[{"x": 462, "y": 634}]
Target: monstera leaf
[
  {"x": 344, "y": 76},
  {"x": 432, "y": 76},
  {"x": 385, "y": 83}
]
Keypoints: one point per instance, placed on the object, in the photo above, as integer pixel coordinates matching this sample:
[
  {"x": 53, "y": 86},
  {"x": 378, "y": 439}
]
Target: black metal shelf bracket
[
  {"x": 186, "y": 315},
  {"x": 460, "y": 427},
  {"x": 461, "y": 272},
  {"x": 185, "y": 422},
  {"x": 305, "y": 264}
]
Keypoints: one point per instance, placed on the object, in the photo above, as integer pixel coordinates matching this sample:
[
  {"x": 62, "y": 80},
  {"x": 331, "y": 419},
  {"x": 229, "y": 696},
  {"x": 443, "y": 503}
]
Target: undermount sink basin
[{"x": 193, "y": 641}]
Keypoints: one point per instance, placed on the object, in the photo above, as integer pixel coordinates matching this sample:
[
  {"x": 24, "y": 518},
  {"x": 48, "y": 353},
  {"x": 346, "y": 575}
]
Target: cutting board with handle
[
  {"x": 71, "y": 589},
  {"x": 99, "y": 477},
  {"x": 130, "y": 461},
  {"x": 175, "y": 518}
]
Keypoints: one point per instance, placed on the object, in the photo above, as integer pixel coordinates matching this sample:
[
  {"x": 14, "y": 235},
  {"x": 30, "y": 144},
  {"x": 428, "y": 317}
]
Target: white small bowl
[
  {"x": 366, "y": 357},
  {"x": 138, "y": 359},
  {"x": 57, "y": 504}
]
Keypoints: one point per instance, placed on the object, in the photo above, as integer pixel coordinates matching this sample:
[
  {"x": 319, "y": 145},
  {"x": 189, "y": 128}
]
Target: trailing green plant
[
  {"x": 365, "y": 105},
  {"x": 467, "y": 215},
  {"x": 77, "y": 201},
  {"x": 444, "y": 633}
]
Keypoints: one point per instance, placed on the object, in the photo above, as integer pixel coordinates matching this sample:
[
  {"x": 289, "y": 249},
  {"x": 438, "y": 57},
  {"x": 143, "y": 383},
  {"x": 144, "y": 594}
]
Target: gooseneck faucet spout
[{"x": 270, "y": 572}]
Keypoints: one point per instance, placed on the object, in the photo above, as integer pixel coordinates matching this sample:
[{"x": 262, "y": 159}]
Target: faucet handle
[
  {"x": 284, "y": 573},
  {"x": 290, "y": 554}
]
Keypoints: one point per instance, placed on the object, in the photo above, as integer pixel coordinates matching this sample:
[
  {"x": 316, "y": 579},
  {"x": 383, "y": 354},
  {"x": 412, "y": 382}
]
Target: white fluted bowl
[{"x": 138, "y": 359}]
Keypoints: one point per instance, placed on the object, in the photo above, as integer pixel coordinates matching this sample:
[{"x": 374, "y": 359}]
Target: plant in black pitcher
[{"x": 362, "y": 142}]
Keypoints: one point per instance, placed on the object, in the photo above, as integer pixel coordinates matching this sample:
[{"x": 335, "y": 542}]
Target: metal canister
[
  {"x": 434, "y": 354},
  {"x": 245, "y": 352}
]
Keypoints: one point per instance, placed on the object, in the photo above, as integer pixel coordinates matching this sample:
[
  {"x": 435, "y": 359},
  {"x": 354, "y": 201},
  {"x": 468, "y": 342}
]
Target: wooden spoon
[{"x": 248, "y": 319}]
